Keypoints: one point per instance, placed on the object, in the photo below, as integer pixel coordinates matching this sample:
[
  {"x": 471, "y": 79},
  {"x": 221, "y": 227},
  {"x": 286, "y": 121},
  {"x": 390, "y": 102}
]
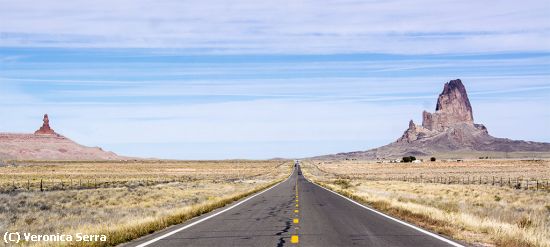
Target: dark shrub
[{"x": 408, "y": 159}]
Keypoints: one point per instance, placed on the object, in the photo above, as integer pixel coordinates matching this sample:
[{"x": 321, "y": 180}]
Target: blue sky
[{"x": 257, "y": 79}]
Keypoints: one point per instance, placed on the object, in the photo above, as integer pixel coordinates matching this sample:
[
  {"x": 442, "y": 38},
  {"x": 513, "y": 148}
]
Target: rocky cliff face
[
  {"x": 453, "y": 113},
  {"x": 453, "y": 106},
  {"x": 450, "y": 128}
]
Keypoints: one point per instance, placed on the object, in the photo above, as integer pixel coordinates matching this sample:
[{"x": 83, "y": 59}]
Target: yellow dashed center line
[
  {"x": 294, "y": 238},
  {"x": 296, "y": 218}
]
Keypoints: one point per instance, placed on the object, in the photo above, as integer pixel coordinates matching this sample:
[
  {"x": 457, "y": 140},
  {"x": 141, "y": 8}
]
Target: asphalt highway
[{"x": 295, "y": 212}]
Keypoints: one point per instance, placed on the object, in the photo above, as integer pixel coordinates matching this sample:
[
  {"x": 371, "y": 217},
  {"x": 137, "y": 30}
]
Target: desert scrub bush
[
  {"x": 344, "y": 183},
  {"x": 524, "y": 222}
]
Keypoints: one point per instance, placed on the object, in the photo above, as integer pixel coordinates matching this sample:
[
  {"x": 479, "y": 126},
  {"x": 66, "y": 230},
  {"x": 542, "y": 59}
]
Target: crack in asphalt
[
  {"x": 282, "y": 239},
  {"x": 288, "y": 225}
]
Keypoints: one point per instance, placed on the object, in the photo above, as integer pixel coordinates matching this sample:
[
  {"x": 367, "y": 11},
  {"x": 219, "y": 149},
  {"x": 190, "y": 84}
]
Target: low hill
[{"x": 46, "y": 144}]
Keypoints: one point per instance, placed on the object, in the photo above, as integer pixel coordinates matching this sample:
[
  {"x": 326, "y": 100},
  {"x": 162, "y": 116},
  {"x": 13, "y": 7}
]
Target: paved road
[{"x": 294, "y": 213}]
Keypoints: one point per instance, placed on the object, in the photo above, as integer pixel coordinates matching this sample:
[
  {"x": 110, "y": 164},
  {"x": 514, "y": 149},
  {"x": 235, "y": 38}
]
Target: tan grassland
[
  {"x": 486, "y": 214},
  {"x": 124, "y": 200}
]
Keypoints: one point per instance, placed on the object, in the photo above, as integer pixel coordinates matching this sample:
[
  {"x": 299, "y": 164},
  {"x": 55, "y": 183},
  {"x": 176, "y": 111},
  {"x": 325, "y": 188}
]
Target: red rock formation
[
  {"x": 410, "y": 134},
  {"x": 450, "y": 128},
  {"x": 453, "y": 111},
  {"x": 46, "y": 144},
  {"x": 45, "y": 129},
  {"x": 453, "y": 107}
]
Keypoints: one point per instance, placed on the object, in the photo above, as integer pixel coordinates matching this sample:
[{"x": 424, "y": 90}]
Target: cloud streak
[{"x": 238, "y": 27}]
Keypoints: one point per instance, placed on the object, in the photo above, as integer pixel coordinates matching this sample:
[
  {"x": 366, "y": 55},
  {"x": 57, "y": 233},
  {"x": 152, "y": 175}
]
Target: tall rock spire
[
  {"x": 449, "y": 129},
  {"x": 45, "y": 129},
  {"x": 453, "y": 109},
  {"x": 453, "y": 106},
  {"x": 454, "y": 101}
]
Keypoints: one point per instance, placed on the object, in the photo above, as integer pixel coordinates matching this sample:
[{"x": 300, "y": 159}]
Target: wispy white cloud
[{"x": 398, "y": 26}]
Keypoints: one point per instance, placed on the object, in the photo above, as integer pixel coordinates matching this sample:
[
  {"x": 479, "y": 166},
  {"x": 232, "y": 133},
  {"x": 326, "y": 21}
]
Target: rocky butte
[
  {"x": 453, "y": 114},
  {"x": 45, "y": 129},
  {"x": 450, "y": 131},
  {"x": 46, "y": 144}
]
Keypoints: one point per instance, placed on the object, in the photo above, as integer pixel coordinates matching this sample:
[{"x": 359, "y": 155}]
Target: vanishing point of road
[{"x": 295, "y": 212}]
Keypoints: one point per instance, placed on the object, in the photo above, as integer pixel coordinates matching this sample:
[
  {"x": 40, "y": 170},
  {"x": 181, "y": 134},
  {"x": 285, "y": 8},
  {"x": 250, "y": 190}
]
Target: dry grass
[
  {"x": 63, "y": 175},
  {"x": 477, "y": 214},
  {"x": 486, "y": 168},
  {"x": 124, "y": 211}
]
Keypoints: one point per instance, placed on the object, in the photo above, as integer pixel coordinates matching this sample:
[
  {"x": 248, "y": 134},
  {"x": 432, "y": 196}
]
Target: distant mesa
[
  {"x": 449, "y": 130},
  {"x": 46, "y": 144}
]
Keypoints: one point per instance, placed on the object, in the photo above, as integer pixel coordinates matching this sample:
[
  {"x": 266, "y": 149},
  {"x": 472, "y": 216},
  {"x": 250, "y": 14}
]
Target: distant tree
[
  {"x": 406, "y": 159},
  {"x": 412, "y": 158},
  {"x": 432, "y": 159}
]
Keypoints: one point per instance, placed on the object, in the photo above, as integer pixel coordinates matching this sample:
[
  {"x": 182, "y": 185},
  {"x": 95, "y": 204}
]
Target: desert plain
[
  {"x": 480, "y": 202},
  {"x": 122, "y": 200}
]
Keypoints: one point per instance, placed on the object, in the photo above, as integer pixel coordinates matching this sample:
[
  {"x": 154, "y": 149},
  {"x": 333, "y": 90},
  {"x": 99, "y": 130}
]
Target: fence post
[{"x": 41, "y": 187}]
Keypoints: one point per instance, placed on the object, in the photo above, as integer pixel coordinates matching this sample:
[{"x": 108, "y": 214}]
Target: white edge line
[
  {"x": 394, "y": 219},
  {"x": 210, "y": 216}
]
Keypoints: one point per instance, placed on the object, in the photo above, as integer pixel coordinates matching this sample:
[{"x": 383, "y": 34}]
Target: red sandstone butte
[
  {"x": 45, "y": 129},
  {"x": 46, "y": 144}
]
